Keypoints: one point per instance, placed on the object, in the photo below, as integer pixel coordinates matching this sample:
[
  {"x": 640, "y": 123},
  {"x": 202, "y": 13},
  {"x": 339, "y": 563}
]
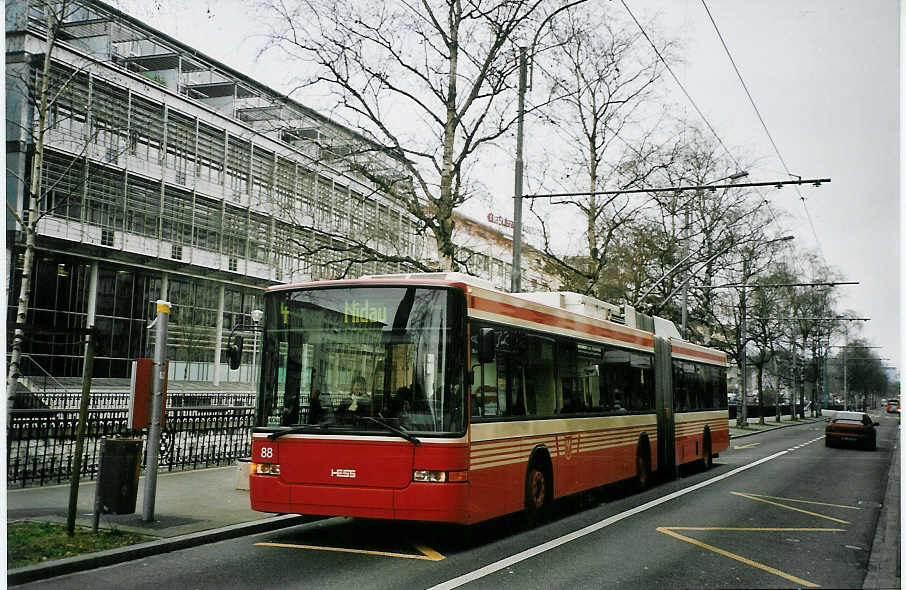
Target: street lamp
[{"x": 256, "y": 314}]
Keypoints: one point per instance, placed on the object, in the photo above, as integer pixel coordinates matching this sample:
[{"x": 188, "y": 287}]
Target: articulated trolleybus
[{"x": 435, "y": 397}]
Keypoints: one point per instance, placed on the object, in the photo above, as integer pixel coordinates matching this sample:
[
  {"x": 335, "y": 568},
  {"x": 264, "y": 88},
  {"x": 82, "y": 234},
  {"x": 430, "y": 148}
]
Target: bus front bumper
[{"x": 434, "y": 502}]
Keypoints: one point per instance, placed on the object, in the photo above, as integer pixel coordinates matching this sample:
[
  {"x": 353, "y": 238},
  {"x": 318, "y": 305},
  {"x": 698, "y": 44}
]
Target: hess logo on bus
[{"x": 343, "y": 473}]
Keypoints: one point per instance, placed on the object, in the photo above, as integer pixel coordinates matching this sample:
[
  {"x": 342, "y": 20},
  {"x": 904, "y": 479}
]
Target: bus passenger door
[{"x": 666, "y": 424}]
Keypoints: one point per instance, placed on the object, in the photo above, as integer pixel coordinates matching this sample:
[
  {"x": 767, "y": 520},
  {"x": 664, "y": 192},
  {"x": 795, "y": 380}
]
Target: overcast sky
[{"x": 824, "y": 75}]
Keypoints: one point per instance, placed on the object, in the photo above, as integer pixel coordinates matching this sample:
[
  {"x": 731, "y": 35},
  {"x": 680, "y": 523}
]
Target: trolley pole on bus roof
[{"x": 157, "y": 390}]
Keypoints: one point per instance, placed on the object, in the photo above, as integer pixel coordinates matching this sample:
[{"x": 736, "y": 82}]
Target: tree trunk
[
  {"x": 760, "y": 393},
  {"x": 30, "y": 225}
]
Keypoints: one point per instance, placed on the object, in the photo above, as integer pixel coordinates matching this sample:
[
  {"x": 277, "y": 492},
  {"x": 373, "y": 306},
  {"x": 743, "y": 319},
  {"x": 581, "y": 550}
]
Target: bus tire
[
  {"x": 707, "y": 457},
  {"x": 537, "y": 493},
  {"x": 642, "y": 470}
]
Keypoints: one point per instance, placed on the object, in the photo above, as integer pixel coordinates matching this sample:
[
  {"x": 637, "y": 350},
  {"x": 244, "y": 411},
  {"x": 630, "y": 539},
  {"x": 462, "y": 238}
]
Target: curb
[
  {"x": 884, "y": 560},
  {"x": 798, "y": 423},
  {"x": 89, "y": 561}
]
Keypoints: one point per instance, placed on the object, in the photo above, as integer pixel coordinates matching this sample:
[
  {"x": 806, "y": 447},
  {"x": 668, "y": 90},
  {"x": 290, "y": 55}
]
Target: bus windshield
[{"x": 360, "y": 359}]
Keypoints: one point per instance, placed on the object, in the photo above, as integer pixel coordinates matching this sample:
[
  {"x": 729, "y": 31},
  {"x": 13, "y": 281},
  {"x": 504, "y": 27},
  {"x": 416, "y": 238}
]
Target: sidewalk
[
  {"x": 770, "y": 423},
  {"x": 191, "y": 508}
]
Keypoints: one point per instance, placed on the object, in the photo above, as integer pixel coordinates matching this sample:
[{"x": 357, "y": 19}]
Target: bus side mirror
[
  {"x": 234, "y": 352},
  {"x": 488, "y": 345}
]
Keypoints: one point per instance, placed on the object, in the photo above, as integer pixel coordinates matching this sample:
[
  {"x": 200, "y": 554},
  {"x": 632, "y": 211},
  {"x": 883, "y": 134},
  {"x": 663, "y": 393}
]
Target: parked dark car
[{"x": 851, "y": 428}]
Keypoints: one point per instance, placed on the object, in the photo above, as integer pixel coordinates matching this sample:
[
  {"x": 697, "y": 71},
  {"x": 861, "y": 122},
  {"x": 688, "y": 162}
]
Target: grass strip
[{"x": 29, "y": 542}]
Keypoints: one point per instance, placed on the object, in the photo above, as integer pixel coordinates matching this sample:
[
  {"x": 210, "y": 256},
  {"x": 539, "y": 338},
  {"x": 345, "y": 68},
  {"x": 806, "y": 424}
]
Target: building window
[
  {"x": 234, "y": 264},
  {"x": 107, "y": 237},
  {"x": 176, "y": 252}
]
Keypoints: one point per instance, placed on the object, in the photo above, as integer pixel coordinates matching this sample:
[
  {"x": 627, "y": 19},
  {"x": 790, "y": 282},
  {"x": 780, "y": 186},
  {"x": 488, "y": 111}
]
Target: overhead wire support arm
[
  {"x": 841, "y": 319},
  {"x": 776, "y": 285},
  {"x": 678, "y": 189}
]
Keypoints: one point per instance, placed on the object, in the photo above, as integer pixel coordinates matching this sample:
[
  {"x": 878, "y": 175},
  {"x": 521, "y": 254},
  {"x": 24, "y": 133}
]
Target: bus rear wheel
[{"x": 536, "y": 496}]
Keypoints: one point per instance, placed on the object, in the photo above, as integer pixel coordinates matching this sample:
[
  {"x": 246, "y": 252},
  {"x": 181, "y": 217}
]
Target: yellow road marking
[
  {"x": 719, "y": 551},
  {"x": 427, "y": 553},
  {"x": 748, "y": 446},
  {"x": 757, "y": 499},
  {"x": 430, "y": 554},
  {"x": 806, "y": 501},
  {"x": 755, "y": 529}
]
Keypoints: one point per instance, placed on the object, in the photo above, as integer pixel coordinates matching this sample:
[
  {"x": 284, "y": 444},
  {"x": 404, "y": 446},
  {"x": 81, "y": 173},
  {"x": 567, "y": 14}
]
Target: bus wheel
[
  {"x": 707, "y": 457},
  {"x": 642, "y": 471},
  {"x": 535, "y": 494}
]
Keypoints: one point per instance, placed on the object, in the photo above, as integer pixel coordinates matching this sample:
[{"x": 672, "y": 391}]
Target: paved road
[{"x": 778, "y": 510}]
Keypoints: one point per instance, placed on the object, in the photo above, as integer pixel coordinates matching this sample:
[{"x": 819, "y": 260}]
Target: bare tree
[
  {"x": 765, "y": 326},
  {"x": 691, "y": 239},
  {"x": 811, "y": 306},
  {"x": 425, "y": 83},
  {"x": 600, "y": 78}
]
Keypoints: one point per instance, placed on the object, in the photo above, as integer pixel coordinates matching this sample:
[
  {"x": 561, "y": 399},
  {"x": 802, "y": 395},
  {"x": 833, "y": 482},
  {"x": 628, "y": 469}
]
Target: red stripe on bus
[
  {"x": 697, "y": 353},
  {"x": 548, "y": 319}
]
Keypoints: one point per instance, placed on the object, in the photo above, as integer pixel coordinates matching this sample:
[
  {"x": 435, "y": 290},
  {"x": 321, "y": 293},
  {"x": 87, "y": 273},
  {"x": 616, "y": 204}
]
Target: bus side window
[
  {"x": 485, "y": 389},
  {"x": 540, "y": 386},
  {"x": 570, "y": 392}
]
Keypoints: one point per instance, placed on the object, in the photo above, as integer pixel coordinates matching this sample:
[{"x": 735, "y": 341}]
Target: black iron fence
[
  {"x": 120, "y": 399},
  {"x": 40, "y": 443}
]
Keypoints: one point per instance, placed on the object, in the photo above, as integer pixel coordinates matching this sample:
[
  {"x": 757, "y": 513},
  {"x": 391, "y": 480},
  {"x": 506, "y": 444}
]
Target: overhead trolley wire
[
  {"x": 678, "y": 83},
  {"x": 694, "y": 105},
  {"x": 763, "y": 124}
]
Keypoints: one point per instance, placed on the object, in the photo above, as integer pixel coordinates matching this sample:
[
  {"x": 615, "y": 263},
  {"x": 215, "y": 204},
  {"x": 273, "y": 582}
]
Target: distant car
[
  {"x": 855, "y": 428},
  {"x": 893, "y": 406}
]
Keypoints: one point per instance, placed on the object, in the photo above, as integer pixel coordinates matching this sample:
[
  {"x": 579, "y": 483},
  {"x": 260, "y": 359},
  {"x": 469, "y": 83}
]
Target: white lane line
[
  {"x": 554, "y": 543},
  {"x": 806, "y": 443}
]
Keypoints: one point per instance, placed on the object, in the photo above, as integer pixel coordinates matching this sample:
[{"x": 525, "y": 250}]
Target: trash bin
[{"x": 118, "y": 478}]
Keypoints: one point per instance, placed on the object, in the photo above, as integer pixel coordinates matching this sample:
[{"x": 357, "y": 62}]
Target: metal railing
[
  {"x": 64, "y": 400},
  {"x": 40, "y": 442},
  {"x": 27, "y": 376}
]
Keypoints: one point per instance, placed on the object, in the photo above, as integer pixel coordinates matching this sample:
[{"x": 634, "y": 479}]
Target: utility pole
[
  {"x": 516, "y": 285},
  {"x": 845, "y": 387},
  {"x": 742, "y": 419},
  {"x": 157, "y": 391}
]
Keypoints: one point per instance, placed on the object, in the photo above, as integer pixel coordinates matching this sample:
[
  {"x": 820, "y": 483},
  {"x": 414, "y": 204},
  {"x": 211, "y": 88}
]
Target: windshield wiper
[
  {"x": 296, "y": 429},
  {"x": 400, "y": 431}
]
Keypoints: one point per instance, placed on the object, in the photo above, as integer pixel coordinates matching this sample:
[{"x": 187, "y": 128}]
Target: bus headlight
[
  {"x": 266, "y": 468},
  {"x": 426, "y": 475}
]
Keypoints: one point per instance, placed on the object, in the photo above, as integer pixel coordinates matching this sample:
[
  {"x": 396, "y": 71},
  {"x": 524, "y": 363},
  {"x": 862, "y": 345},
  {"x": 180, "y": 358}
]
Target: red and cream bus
[{"x": 434, "y": 397}]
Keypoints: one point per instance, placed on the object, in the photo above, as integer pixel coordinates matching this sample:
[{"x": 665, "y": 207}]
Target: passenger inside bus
[
  {"x": 315, "y": 410},
  {"x": 358, "y": 401},
  {"x": 293, "y": 387}
]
